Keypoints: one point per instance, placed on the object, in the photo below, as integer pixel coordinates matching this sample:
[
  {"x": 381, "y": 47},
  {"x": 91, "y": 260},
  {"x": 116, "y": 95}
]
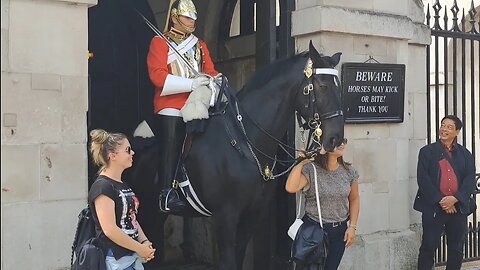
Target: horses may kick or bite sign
[{"x": 373, "y": 93}]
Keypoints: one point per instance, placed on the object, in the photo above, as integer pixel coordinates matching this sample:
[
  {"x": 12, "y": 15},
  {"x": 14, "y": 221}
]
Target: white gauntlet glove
[{"x": 199, "y": 81}]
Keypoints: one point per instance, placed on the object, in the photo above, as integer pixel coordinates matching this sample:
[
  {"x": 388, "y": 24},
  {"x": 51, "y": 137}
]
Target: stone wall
[
  {"x": 385, "y": 155},
  {"x": 43, "y": 130}
]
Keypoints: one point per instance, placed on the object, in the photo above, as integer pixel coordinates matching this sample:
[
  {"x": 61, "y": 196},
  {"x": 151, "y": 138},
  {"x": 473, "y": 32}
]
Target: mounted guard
[
  {"x": 182, "y": 71},
  {"x": 177, "y": 62}
]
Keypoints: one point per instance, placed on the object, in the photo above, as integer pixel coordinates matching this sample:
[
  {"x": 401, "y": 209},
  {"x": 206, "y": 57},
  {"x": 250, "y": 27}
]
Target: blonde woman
[
  {"x": 339, "y": 200},
  {"x": 114, "y": 204}
]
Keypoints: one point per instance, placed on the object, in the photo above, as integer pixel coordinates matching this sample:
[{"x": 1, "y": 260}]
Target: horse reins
[{"x": 312, "y": 124}]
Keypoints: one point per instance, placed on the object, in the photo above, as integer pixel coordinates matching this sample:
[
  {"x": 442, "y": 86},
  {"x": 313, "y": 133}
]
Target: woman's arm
[
  {"x": 296, "y": 180},
  {"x": 142, "y": 238},
  {"x": 105, "y": 208},
  {"x": 354, "y": 209}
]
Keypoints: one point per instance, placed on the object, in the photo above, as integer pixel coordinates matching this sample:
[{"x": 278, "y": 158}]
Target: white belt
[{"x": 170, "y": 112}]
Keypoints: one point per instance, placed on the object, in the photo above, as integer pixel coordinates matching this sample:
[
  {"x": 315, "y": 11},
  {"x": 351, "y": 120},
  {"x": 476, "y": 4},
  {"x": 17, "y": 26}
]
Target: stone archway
[{"x": 118, "y": 76}]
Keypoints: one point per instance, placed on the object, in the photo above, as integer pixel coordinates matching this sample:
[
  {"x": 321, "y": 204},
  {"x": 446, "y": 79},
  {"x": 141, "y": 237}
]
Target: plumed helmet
[{"x": 184, "y": 8}]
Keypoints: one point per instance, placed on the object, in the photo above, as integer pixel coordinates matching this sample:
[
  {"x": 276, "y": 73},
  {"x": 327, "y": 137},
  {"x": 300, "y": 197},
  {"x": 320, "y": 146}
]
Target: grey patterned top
[{"x": 333, "y": 188}]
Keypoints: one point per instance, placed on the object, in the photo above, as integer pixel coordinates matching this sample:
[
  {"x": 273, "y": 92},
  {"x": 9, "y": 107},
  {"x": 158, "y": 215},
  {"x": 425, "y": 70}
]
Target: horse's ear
[
  {"x": 335, "y": 59},
  {"x": 314, "y": 55}
]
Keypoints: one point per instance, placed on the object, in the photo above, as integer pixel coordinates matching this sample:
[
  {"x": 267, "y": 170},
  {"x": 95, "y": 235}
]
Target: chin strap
[{"x": 187, "y": 29}]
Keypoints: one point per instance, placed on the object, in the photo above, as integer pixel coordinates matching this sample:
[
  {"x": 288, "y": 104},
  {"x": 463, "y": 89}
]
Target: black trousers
[{"x": 455, "y": 226}]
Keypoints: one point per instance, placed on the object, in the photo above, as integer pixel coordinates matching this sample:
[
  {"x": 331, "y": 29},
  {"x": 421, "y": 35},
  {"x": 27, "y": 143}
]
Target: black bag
[
  {"x": 90, "y": 256},
  {"x": 85, "y": 245},
  {"x": 310, "y": 244}
]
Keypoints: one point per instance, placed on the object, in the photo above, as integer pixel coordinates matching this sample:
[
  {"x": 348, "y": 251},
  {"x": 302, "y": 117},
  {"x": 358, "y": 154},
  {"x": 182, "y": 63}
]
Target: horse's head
[{"x": 319, "y": 101}]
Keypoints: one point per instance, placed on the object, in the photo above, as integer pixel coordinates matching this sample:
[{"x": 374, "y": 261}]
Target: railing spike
[
  {"x": 455, "y": 11},
  {"x": 445, "y": 18},
  {"x": 437, "y": 7},
  {"x": 428, "y": 15},
  {"x": 472, "y": 12}
]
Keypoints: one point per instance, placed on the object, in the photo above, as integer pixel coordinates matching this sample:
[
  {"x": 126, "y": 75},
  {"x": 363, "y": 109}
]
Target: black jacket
[{"x": 428, "y": 177}]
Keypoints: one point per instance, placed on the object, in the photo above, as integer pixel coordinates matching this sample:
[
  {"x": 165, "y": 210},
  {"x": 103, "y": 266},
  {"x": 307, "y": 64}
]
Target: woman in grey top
[{"x": 339, "y": 200}]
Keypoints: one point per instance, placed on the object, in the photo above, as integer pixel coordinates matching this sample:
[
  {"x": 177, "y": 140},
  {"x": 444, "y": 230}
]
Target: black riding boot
[{"x": 170, "y": 134}]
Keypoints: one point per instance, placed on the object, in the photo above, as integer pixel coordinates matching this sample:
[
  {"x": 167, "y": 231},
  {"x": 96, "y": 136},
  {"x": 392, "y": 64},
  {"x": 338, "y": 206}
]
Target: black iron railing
[{"x": 453, "y": 70}]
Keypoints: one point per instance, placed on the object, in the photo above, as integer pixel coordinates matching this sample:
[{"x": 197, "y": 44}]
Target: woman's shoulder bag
[{"x": 311, "y": 241}]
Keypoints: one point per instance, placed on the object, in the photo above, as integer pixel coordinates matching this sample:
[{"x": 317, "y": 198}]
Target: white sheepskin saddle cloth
[{"x": 198, "y": 102}]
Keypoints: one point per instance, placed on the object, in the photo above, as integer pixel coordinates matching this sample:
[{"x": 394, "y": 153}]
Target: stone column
[
  {"x": 385, "y": 155},
  {"x": 43, "y": 129}
]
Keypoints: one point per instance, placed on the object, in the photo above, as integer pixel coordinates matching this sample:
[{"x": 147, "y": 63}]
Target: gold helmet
[
  {"x": 185, "y": 8},
  {"x": 181, "y": 8}
]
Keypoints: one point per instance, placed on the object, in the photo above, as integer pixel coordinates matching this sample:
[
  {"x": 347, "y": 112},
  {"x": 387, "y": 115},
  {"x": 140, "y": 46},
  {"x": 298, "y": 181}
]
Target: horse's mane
[{"x": 283, "y": 66}]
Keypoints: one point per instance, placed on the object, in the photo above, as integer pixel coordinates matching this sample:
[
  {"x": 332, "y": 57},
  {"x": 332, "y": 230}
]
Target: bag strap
[
  {"x": 317, "y": 196},
  {"x": 299, "y": 215}
]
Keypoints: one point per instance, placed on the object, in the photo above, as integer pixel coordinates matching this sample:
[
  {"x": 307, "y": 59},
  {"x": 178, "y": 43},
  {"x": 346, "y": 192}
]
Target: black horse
[{"x": 232, "y": 183}]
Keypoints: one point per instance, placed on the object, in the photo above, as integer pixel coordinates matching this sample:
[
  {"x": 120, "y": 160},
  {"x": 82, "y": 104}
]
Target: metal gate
[{"x": 453, "y": 72}]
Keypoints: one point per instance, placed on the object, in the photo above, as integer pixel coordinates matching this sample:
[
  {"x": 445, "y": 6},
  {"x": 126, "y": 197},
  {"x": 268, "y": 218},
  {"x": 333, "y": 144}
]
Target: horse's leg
[
  {"x": 254, "y": 225},
  {"x": 144, "y": 181},
  {"x": 245, "y": 230},
  {"x": 153, "y": 224},
  {"x": 226, "y": 221}
]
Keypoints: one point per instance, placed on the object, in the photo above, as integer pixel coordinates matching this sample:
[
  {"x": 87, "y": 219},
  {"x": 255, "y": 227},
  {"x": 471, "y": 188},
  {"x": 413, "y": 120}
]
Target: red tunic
[{"x": 158, "y": 71}]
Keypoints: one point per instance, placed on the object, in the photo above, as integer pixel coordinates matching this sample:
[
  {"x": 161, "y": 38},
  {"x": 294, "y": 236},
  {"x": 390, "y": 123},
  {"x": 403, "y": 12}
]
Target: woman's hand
[
  {"x": 146, "y": 251},
  {"x": 296, "y": 180},
  {"x": 349, "y": 237},
  {"x": 305, "y": 160}
]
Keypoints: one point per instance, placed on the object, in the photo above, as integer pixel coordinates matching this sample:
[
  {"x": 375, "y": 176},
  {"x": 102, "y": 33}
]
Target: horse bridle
[
  {"x": 312, "y": 124},
  {"x": 315, "y": 120}
]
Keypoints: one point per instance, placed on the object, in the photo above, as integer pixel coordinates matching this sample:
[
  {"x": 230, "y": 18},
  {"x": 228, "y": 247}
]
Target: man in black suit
[{"x": 446, "y": 181}]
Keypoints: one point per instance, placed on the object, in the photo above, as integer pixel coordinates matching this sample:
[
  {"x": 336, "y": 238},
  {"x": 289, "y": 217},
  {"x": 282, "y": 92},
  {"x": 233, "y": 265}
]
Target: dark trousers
[
  {"x": 455, "y": 226},
  {"x": 336, "y": 245}
]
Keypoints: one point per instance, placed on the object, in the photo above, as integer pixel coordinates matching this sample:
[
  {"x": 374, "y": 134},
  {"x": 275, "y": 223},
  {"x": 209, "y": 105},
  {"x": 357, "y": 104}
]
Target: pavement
[{"x": 465, "y": 266}]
